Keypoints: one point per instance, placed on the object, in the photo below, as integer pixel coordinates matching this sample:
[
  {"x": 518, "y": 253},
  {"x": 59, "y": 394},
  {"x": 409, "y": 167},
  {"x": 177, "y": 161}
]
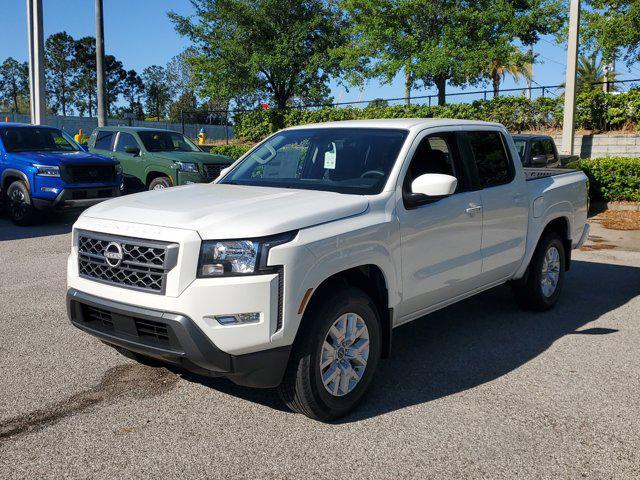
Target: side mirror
[
  {"x": 223, "y": 172},
  {"x": 135, "y": 151},
  {"x": 539, "y": 160},
  {"x": 434, "y": 185}
]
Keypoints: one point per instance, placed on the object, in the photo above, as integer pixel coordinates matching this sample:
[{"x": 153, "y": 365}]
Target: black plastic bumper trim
[{"x": 188, "y": 347}]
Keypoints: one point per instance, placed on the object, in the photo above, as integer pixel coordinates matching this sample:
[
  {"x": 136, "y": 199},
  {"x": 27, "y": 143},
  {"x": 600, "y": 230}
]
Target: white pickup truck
[{"x": 292, "y": 269}]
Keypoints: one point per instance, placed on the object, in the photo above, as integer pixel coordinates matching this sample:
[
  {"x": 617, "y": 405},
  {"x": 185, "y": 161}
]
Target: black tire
[
  {"x": 19, "y": 205},
  {"x": 302, "y": 389},
  {"x": 529, "y": 290},
  {"x": 159, "y": 183}
]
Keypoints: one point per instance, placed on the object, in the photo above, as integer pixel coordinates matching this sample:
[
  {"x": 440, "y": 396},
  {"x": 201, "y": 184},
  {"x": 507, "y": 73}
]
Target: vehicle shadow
[
  {"x": 477, "y": 341},
  {"x": 53, "y": 224}
]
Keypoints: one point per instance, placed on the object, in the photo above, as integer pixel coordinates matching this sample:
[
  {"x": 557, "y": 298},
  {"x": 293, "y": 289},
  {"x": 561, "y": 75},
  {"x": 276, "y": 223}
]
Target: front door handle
[{"x": 472, "y": 209}]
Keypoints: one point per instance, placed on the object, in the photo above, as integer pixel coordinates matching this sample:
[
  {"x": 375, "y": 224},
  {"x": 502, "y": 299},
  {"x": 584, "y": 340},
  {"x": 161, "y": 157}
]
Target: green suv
[{"x": 153, "y": 158}]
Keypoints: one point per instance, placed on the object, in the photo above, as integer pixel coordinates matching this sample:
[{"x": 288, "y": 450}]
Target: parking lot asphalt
[{"x": 477, "y": 390}]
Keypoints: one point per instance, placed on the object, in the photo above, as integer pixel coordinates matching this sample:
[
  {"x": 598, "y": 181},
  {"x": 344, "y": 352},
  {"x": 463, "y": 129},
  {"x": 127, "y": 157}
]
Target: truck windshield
[
  {"x": 343, "y": 160},
  {"x": 164, "y": 141},
  {"x": 36, "y": 139}
]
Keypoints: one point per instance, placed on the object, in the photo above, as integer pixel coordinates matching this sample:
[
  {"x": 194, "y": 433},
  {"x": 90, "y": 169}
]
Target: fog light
[
  {"x": 49, "y": 189},
  {"x": 237, "y": 318}
]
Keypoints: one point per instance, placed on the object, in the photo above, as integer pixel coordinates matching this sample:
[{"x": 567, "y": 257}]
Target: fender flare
[{"x": 12, "y": 172}]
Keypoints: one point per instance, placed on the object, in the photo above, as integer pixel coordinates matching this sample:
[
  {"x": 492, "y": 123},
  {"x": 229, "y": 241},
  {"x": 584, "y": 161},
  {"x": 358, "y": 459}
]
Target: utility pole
[
  {"x": 35, "y": 36},
  {"x": 102, "y": 106},
  {"x": 568, "y": 127}
]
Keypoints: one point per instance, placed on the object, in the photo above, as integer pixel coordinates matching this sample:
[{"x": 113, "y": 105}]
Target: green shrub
[
  {"x": 594, "y": 111},
  {"x": 233, "y": 151},
  {"x": 612, "y": 178}
]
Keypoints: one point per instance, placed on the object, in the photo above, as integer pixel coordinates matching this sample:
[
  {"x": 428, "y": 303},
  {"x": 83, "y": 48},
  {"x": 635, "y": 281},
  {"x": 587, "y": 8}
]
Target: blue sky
[{"x": 139, "y": 34}]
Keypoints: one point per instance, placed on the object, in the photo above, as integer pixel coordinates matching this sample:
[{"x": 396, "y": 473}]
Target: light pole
[
  {"x": 35, "y": 36},
  {"x": 102, "y": 106},
  {"x": 568, "y": 126}
]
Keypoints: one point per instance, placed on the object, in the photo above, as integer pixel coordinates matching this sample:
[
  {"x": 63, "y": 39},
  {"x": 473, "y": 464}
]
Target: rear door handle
[{"x": 472, "y": 209}]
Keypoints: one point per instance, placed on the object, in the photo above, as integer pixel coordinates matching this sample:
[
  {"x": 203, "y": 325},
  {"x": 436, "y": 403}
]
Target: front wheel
[
  {"x": 19, "y": 204},
  {"x": 335, "y": 356},
  {"x": 159, "y": 183},
  {"x": 541, "y": 287}
]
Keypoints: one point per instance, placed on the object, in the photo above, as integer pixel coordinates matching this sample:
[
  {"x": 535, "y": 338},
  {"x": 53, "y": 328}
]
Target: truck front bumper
[
  {"x": 173, "y": 338},
  {"x": 73, "y": 198}
]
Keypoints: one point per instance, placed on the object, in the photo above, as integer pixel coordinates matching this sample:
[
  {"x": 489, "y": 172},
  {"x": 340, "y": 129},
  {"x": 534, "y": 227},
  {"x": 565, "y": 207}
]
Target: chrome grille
[
  {"x": 141, "y": 264},
  {"x": 212, "y": 170}
]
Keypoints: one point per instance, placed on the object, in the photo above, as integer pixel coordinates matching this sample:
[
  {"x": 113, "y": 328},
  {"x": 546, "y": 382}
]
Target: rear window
[
  {"x": 490, "y": 158},
  {"x": 103, "y": 140}
]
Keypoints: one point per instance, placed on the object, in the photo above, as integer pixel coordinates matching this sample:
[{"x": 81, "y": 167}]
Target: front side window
[
  {"x": 537, "y": 149},
  {"x": 104, "y": 139},
  {"x": 35, "y": 139},
  {"x": 433, "y": 155},
  {"x": 343, "y": 160},
  {"x": 165, "y": 141},
  {"x": 490, "y": 157},
  {"x": 548, "y": 147},
  {"x": 125, "y": 140}
]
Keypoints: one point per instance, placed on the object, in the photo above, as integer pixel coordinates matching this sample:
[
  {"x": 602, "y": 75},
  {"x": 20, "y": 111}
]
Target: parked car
[
  {"x": 154, "y": 159},
  {"x": 43, "y": 168},
  {"x": 292, "y": 269},
  {"x": 540, "y": 151}
]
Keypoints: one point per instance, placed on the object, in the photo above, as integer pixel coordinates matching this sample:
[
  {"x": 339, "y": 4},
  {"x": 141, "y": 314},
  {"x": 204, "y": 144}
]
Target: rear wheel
[
  {"x": 335, "y": 356},
  {"x": 19, "y": 205},
  {"x": 159, "y": 183},
  {"x": 541, "y": 287}
]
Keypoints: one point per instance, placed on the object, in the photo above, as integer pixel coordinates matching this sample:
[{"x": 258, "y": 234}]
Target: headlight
[
  {"x": 238, "y": 257},
  {"x": 187, "y": 167},
  {"x": 47, "y": 171}
]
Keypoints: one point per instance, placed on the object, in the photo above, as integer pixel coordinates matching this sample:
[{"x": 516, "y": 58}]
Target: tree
[
  {"x": 440, "y": 42},
  {"x": 157, "y": 92},
  {"x": 613, "y": 28},
  {"x": 514, "y": 63},
  {"x": 14, "y": 84},
  {"x": 85, "y": 78},
  {"x": 114, "y": 75},
  {"x": 60, "y": 63},
  {"x": 590, "y": 74},
  {"x": 132, "y": 90},
  {"x": 279, "y": 48}
]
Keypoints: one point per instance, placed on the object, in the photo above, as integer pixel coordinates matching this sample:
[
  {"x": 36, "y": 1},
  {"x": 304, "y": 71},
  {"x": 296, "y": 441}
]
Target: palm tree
[
  {"x": 516, "y": 64},
  {"x": 591, "y": 74}
]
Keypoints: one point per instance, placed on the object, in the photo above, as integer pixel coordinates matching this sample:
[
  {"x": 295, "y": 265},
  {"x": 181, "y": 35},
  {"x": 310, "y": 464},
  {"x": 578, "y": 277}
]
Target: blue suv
[{"x": 43, "y": 168}]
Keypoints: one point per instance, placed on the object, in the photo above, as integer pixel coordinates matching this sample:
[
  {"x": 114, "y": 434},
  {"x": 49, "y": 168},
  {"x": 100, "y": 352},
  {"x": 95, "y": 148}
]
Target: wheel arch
[
  {"x": 10, "y": 175},
  {"x": 371, "y": 279},
  {"x": 154, "y": 173}
]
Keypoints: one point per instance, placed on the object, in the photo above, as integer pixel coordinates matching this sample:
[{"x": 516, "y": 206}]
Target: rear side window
[
  {"x": 490, "y": 157},
  {"x": 548, "y": 147},
  {"x": 103, "y": 140}
]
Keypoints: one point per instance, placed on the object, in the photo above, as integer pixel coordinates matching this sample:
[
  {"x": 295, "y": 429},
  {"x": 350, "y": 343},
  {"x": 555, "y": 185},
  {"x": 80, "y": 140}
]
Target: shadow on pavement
[
  {"x": 477, "y": 341},
  {"x": 53, "y": 224}
]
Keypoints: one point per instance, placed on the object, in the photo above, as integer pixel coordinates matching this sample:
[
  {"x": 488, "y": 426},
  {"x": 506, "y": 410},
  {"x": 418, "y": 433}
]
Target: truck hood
[
  {"x": 59, "y": 158},
  {"x": 201, "y": 157},
  {"x": 219, "y": 211}
]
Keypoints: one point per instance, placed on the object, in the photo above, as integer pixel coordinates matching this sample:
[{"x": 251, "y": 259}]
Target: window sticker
[{"x": 330, "y": 158}]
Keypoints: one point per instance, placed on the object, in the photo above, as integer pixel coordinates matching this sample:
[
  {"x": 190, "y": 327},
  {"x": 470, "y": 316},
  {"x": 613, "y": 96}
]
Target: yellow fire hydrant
[
  {"x": 202, "y": 136},
  {"x": 78, "y": 136}
]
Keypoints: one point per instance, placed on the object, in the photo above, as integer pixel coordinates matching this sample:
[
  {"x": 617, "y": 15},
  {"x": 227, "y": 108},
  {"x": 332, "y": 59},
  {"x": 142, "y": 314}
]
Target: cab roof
[
  {"x": 126, "y": 128},
  {"x": 398, "y": 123}
]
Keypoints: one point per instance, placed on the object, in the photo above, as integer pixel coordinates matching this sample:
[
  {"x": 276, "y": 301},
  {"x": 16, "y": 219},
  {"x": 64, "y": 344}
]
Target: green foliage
[
  {"x": 278, "y": 47},
  {"x": 14, "y": 85},
  {"x": 612, "y": 178},
  {"x": 594, "y": 111},
  {"x": 60, "y": 66},
  {"x": 611, "y": 26},
  {"x": 232, "y": 151},
  {"x": 157, "y": 92}
]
